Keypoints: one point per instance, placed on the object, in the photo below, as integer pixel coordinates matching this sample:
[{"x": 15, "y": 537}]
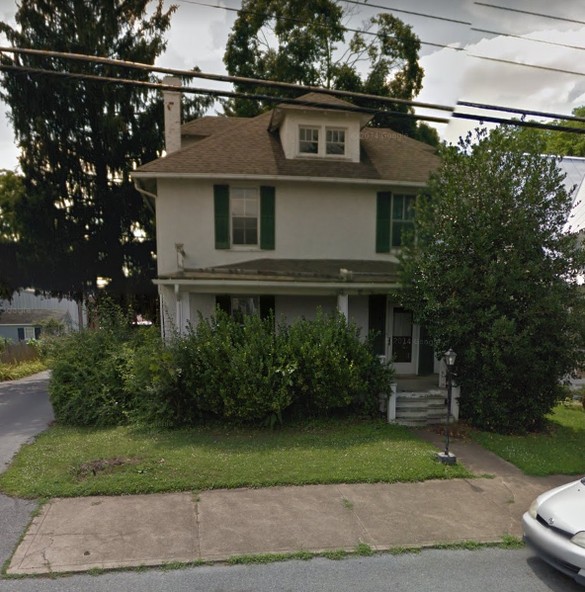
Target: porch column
[
  {"x": 343, "y": 304},
  {"x": 178, "y": 309},
  {"x": 186, "y": 311}
]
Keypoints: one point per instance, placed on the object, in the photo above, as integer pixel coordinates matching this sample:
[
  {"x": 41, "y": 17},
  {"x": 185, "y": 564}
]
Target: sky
[{"x": 470, "y": 69}]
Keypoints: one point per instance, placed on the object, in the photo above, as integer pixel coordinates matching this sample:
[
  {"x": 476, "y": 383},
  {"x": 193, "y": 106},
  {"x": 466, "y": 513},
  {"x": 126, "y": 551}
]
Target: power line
[
  {"x": 535, "y": 66},
  {"x": 518, "y": 123},
  {"x": 523, "y": 38},
  {"x": 302, "y": 22},
  {"x": 273, "y": 99},
  {"x": 528, "y": 12},
  {"x": 218, "y": 93},
  {"x": 277, "y": 84},
  {"x": 222, "y": 78},
  {"x": 402, "y": 11},
  {"x": 439, "y": 45},
  {"x": 522, "y": 112}
]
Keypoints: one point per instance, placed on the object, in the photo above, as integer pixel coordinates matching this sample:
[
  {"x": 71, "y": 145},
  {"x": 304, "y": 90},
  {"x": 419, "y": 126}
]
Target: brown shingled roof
[
  {"x": 249, "y": 148},
  {"x": 210, "y": 124}
]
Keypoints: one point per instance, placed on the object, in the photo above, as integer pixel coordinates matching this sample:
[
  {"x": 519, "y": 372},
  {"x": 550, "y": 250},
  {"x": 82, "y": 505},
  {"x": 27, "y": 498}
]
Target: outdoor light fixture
[{"x": 447, "y": 457}]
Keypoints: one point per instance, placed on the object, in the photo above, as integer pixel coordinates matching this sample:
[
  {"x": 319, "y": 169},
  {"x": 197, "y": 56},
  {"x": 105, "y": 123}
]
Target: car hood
[{"x": 564, "y": 507}]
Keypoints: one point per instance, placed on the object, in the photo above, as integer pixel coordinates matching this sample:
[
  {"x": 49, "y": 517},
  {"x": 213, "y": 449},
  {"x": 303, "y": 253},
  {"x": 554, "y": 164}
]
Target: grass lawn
[
  {"x": 561, "y": 451},
  {"x": 66, "y": 461}
]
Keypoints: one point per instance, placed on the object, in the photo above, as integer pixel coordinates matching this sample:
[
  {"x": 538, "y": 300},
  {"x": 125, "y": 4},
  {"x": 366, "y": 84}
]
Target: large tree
[
  {"x": 568, "y": 143},
  {"x": 80, "y": 216},
  {"x": 493, "y": 273},
  {"x": 11, "y": 192},
  {"x": 305, "y": 42}
]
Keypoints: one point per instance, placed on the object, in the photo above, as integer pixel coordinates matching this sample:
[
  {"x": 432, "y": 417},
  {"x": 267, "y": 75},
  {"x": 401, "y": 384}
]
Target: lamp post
[{"x": 447, "y": 457}]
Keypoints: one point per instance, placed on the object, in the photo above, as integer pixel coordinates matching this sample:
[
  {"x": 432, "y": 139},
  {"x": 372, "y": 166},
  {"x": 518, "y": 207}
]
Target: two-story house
[{"x": 300, "y": 208}]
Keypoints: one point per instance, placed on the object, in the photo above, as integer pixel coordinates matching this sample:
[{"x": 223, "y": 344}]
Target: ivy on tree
[
  {"x": 493, "y": 273},
  {"x": 305, "y": 42},
  {"x": 80, "y": 217}
]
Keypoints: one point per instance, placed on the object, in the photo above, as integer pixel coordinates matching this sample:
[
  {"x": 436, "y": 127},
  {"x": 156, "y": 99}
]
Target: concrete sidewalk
[{"x": 81, "y": 534}]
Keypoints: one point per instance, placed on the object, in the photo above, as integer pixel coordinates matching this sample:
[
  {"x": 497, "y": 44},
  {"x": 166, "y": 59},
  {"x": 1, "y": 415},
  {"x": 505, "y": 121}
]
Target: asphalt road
[
  {"x": 24, "y": 412},
  {"x": 432, "y": 570}
]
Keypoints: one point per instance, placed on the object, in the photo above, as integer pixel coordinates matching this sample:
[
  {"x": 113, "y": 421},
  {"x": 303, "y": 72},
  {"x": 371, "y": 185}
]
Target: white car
[{"x": 554, "y": 527}]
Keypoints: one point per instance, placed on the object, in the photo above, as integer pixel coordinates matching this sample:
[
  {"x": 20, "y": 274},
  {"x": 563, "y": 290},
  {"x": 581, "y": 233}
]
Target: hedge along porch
[{"x": 293, "y": 289}]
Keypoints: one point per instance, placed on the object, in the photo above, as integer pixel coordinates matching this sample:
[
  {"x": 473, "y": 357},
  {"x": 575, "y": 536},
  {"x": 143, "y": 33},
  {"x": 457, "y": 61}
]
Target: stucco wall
[{"x": 313, "y": 220}]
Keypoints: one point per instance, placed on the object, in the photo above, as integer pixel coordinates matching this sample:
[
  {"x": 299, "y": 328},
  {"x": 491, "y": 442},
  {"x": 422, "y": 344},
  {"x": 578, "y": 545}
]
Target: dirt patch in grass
[{"x": 102, "y": 465}]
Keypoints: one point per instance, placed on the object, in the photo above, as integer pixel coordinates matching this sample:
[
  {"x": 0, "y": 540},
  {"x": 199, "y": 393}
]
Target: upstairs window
[
  {"x": 244, "y": 211},
  {"x": 394, "y": 219},
  {"x": 309, "y": 140},
  {"x": 335, "y": 142},
  {"x": 244, "y": 217},
  {"x": 322, "y": 141},
  {"x": 402, "y": 217}
]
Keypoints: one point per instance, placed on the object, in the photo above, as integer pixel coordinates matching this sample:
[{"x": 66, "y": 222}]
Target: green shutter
[
  {"x": 383, "y": 201},
  {"x": 267, "y": 221},
  {"x": 221, "y": 203}
]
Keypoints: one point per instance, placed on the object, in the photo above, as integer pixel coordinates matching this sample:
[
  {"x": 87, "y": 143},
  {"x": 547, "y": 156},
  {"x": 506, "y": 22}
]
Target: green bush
[
  {"x": 333, "y": 369},
  {"x": 252, "y": 371},
  {"x": 88, "y": 369}
]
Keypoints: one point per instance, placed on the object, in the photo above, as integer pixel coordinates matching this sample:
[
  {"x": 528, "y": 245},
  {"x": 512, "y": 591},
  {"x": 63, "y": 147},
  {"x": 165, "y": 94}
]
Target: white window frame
[
  {"x": 247, "y": 194},
  {"x": 328, "y": 142},
  {"x": 322, "y": 141},
  {"x": 405, "y": 221},
  {"x": 312, "y": 129},
  {"x": 29, "y": 333}
]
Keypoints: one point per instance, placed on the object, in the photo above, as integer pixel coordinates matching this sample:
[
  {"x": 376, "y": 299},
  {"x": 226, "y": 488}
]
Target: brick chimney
[{"x": 172, "y": 107}]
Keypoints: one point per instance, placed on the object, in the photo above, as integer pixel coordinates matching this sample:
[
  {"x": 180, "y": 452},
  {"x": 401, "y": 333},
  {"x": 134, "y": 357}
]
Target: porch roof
[
  {"x": 335, "y": 271},
  {"x": 288, "y": 276}
]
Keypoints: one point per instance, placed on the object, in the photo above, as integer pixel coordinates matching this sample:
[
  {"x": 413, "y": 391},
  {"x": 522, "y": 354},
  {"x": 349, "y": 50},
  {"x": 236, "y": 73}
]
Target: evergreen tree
[{"x": 80, "y": 217}]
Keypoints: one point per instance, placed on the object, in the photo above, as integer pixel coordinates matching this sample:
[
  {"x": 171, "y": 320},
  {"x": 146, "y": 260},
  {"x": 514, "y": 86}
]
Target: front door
[{"x": 403, "y": 339}]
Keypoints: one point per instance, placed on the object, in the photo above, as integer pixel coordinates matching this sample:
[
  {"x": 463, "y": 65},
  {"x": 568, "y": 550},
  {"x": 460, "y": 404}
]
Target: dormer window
[
  {"x": 322, "y": 141},
  {"x": 335, "y": 142},
  {"x": 309, "y": 140}
]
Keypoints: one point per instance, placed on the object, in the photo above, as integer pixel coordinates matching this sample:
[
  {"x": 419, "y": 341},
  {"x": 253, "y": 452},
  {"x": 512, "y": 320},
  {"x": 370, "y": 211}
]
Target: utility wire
[
  {"x": 522, "y": 112},
  {"x": 524, "y": 38},
  {"x": 441, "y": 46},
  {"x": 302, "y": 22},
  {"x": 218, "y": 93},
  {"x": 422, "y": 14},
  {"x": 535, "y": 66},
  {"x": 223, "y": 78},
  {"x": 528, "y": 12},
  {"x": 273, "y": 99},
  {"x": 278, "y": 84}
]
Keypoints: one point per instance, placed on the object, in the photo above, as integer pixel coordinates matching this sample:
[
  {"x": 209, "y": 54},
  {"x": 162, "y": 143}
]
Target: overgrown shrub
[
  {"x": 333, "y": 368},
  {"x": 88, "y": 369},
  {"x": 249, "y": 371}
]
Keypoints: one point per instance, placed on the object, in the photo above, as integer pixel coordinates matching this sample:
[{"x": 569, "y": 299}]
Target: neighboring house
[
  {"x": 24, "y": 316},
  {"x": 297, "y": 209},
  {"x": 574, "y": 168}
]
